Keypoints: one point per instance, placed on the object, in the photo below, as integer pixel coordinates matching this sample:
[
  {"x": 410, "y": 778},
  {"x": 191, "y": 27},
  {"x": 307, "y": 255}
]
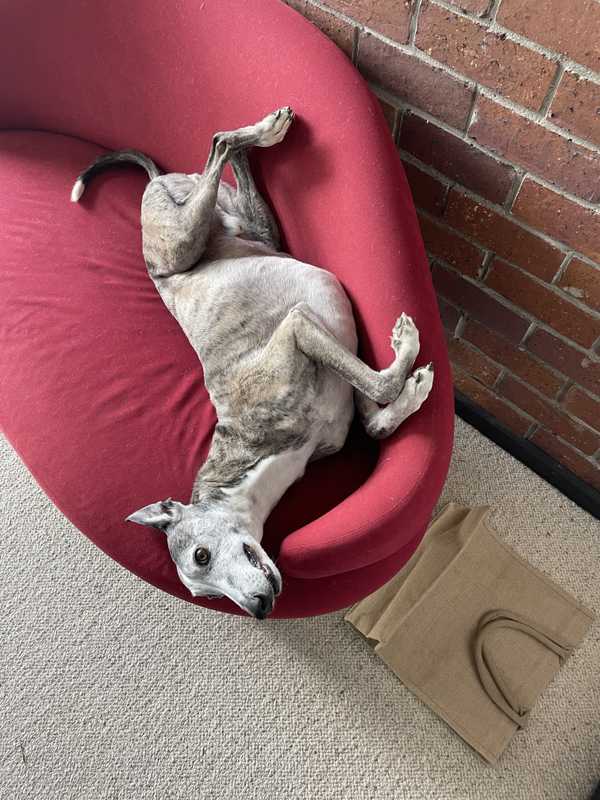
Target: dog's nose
[{"x": 264, "y": 606}]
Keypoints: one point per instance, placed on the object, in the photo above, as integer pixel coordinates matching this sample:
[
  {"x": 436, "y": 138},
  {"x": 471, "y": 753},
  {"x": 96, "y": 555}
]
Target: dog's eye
[{"x": 202, "y": 556}]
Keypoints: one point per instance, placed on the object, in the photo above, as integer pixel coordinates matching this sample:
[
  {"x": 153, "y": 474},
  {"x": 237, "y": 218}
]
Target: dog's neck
[{"x": 250, "y": 482}]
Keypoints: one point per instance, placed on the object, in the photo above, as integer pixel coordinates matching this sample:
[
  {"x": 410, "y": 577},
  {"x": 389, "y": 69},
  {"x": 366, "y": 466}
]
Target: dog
[{"x": 277, "y": 340}]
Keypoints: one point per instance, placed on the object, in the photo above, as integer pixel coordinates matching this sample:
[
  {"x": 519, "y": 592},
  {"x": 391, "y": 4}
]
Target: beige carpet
[{"x": 110, "y": 689}]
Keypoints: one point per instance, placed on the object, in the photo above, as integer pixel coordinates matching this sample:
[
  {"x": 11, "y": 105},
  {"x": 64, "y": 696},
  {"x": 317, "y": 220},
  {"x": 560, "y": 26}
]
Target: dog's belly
[{"x": 230, "y": 308}]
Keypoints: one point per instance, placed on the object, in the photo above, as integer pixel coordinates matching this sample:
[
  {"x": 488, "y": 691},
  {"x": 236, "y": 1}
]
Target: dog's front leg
[{"x": 312, "y": 338}]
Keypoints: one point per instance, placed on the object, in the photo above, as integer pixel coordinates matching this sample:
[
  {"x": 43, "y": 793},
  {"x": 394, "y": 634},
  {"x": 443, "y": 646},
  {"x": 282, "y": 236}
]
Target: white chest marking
[{"x": 265, "y": 484}]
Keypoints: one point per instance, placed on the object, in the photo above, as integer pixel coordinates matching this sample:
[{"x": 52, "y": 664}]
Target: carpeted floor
[{"x": 110, "y": 689}]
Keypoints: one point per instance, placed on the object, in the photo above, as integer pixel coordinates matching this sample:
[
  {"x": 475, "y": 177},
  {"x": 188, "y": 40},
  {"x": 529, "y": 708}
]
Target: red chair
[{"x": 102, "y": 396}]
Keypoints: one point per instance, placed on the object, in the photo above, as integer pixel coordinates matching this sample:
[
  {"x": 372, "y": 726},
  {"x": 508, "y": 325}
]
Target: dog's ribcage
[{"x": 230, "y": 308}]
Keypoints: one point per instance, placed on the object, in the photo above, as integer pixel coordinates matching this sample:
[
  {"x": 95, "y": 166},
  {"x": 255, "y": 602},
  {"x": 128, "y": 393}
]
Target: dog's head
[{"x": 214, "y": 555}]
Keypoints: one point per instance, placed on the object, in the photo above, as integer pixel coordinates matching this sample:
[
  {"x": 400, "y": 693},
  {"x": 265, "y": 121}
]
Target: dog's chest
[
  {"x": 264, "y": 484},
  {"x": 229, "y": 310}
]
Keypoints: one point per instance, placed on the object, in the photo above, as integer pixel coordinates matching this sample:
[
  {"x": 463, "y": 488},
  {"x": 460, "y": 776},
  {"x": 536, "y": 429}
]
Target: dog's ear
[{"x": 158, "y": 515}]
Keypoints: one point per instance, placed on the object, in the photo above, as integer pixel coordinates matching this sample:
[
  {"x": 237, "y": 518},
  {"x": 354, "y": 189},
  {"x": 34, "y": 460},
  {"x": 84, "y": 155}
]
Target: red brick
[
  {"x": 583, "y": 406},
  {"x": 490, "y": 401},
  {"x": 576, "y": 107},
  {"x": 588, "y": 471},
  {"x": 389, "y": 17},
  {"x": 428, "y": 193},
  {"x": 338, "y": 30},
  {"x": 478, "y": 304},
  {"x": 450, "y": 247},
  {"x": 478, "y": 7},
  {"x": 491, "y": 59},
  {"x": 516, "y": 360},
  {"x": 456, "y": 158},
  {"x": 566, "y": 26},
  {"x": 448, "y": 314},
  {"x": 414, "y": 81},
  {"x": 389, "y": 112},
  {"x": 549, "y": 417},
  {"x": 583, "y": 281},
  {"x": 562, "y": 219},
  {"x": 473, "y": 362},
  {"x": 502, "y": 236},
  {"x": 542, "y": 152},
  {"x": 584, "y": 368},
  {"x": 543, "y": 303}
]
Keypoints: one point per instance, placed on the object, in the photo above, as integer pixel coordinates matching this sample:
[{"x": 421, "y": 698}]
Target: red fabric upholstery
[{"x": 101, "y": 393}]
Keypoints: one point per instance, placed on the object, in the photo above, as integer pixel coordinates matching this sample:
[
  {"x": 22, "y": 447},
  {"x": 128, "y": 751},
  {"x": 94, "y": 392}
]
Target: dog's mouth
[
  {"x": 254, "y": 559},
  {"x": 270, "y": 576}
]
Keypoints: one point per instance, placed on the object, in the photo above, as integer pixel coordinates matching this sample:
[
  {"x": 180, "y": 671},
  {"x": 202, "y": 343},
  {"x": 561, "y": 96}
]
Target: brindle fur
[{"x": 277, "y": 341}]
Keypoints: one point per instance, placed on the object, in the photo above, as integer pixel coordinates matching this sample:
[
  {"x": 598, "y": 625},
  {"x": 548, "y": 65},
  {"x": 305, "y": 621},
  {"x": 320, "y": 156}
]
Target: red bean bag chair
[{"x": 102, "y": 395}]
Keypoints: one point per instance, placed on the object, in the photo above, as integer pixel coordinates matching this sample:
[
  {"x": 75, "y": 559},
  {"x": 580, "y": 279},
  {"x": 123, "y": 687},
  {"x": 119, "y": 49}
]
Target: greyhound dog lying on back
[{"x": 277, "y": 341}]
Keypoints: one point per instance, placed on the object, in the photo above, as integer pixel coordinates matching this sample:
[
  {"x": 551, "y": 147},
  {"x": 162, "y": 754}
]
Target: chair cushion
[{"x": 102, "y": 394}]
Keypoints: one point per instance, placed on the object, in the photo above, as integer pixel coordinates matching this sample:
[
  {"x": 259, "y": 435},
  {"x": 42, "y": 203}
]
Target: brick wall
[{"x": 495, "y": 109}]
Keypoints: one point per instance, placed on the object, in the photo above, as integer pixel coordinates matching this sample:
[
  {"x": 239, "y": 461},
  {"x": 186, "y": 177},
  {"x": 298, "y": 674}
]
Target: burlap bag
[{"x": 472, "y": 629}]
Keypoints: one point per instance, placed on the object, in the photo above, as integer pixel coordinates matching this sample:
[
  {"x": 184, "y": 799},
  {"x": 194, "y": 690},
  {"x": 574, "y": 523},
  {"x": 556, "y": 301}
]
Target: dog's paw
[
  {"x": 417, "y": 387},
  {"x": 405, "y": 339},
  {"x": 274, "y": 127}
]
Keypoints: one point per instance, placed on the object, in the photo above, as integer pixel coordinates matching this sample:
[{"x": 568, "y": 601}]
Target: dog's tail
[{"x": 108, "y": 160}]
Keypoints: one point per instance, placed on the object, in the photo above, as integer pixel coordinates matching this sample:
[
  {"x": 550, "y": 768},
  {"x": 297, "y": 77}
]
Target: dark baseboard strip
[{"x": 525, "y": 451}]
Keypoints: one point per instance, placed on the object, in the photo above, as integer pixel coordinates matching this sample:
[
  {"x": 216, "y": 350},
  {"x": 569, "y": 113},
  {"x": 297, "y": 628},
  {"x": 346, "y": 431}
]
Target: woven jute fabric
[{"x": 473, "y": 629}]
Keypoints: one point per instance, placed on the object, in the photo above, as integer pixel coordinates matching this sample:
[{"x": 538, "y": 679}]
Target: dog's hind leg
[
  {"x": 256, "y": 217},
  {"x": 177, "y": 215},
  {"x": 247, "y": 205},
  {"x": 265, "y": 133},
  {"x": 178, "y": 210}
]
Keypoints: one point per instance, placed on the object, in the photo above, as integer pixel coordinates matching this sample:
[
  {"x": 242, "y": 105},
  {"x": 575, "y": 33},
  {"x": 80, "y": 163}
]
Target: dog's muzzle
[
  {"x": 273, "y": 581},
  {"x": 264, "y": 601},
  {"x": 263, "y": 605}
]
